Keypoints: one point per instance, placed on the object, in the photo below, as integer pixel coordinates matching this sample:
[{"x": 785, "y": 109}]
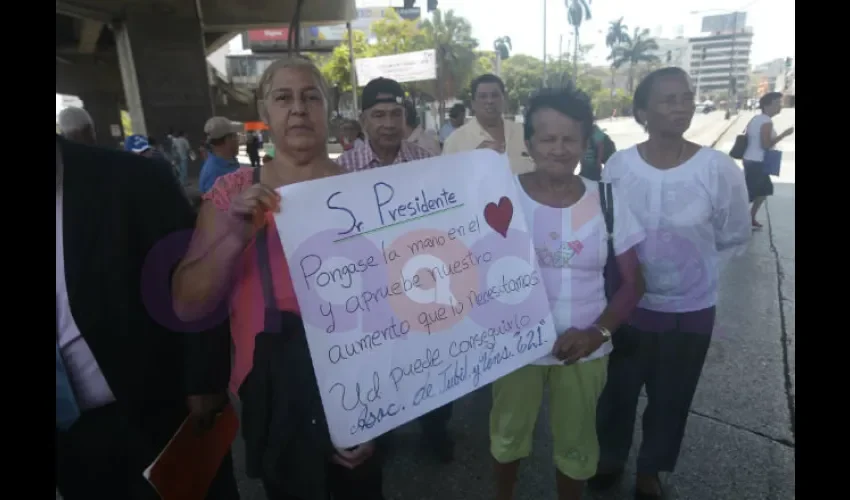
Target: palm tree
[
  {"x": 618, "y": 34},
  {"x": 503, "y": 47},
  {"x": 635, "y": 50},
  {"x": 578, "y": 11},
  {"x": 451, "y": 37}
]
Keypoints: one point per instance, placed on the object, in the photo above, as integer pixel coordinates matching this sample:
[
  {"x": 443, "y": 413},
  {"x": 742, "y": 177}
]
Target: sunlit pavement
[{"x": 739, "y": 443}]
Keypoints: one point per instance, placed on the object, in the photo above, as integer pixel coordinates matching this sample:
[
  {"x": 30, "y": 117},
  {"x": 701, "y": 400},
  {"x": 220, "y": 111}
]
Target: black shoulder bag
[
  {"x": 741, "y": 143},
  {"x": 611, "y": 272},
  {"x": 283, "y": 422}
]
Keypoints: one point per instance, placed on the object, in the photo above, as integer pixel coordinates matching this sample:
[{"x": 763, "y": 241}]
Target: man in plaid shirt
[{"x": 383, "y": 121}]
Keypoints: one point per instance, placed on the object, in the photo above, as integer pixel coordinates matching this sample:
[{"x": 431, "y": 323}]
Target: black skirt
[{"x": 758, "y": 180}]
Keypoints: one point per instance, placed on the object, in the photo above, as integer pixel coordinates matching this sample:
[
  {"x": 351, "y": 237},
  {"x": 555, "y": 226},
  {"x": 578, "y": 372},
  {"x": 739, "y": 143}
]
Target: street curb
[{"x": 731, "y": 124}]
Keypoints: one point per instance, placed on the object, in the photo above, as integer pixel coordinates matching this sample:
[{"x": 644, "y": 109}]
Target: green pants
[{"x": 573, "y": 393}]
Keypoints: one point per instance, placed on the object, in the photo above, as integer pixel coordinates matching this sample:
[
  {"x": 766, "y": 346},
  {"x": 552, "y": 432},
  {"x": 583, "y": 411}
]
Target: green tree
[
  {"x": 522, "y": 75},
  {"x": 578, "y": 11},
  {"x": 618, "y": 34},
  {"x": 337, "y": 69},
  {"x": 636, "y": 50},
  {"x": 562, "y": 69},
  {"x": 604, "y": 102},
  {"x": 451, "y": 36},
  {"x": 394, "y": 35},
  {"x": 485, "y": 63}
]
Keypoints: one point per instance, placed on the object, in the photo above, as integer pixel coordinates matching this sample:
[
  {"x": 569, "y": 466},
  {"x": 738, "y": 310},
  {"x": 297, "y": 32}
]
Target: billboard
[
  {"x": 266, "y": 35},
  {"x": 724, "y": 23},
  {"x": 323, "y": 37},
  {"x": 407, "y": 67}
]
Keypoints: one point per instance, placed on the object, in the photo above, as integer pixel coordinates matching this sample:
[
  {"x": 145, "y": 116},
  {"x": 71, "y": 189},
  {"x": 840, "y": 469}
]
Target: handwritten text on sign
[{"x": 417, "y": 284}]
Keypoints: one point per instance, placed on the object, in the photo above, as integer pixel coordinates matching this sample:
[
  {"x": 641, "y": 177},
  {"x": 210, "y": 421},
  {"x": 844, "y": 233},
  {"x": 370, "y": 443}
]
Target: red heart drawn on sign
[{"x": 499, "y": 216}]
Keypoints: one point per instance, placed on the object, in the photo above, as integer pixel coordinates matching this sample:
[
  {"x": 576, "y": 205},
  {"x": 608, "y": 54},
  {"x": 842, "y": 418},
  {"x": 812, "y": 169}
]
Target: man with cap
[
  {"x": 383, "y": 120},
  {"x": 223, "y": 142}
]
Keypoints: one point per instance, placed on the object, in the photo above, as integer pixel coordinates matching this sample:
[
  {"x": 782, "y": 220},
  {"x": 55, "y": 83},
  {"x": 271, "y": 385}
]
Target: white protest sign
[
  {"x": 417, "y": 283},
  {"x": 405, "y": 67}
]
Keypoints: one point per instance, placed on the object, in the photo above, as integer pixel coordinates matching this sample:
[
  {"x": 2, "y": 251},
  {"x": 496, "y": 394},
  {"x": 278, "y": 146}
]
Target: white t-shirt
[
  {"x": 754, "y": 151},
  {"x": 695, "y": 215},
  {"x": 572, "y": 248}
]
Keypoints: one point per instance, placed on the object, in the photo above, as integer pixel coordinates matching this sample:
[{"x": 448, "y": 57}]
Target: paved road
[{"x": 740, "y": 438}]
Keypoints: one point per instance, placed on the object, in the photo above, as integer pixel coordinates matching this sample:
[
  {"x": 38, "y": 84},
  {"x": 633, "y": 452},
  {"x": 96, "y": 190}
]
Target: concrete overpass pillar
[
  {"x": 164, "y": 73},
  {"x": 105, "y": 110}
]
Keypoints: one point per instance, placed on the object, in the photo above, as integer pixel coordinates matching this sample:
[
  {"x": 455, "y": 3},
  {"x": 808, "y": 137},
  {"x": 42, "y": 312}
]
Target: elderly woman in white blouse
[{"x": 693, "y": 203}]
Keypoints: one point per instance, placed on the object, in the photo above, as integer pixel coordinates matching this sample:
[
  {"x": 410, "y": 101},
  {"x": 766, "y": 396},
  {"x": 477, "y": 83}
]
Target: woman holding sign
[
  {"x": 236, "y": 254},
  {"x": 569, "y": 232}
]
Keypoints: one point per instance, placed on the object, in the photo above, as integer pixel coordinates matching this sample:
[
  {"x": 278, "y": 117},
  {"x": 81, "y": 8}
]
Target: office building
[
  {"x": 764, "y": 76},
  {"x": 674, "y": 52},
  {"x": 720, "y": 57}
]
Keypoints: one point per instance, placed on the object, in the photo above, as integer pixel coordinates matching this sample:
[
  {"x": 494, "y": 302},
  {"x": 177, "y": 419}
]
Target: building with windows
[
  {"x": 720, "y": 55},
  {"x": 674, "y": 52},
  {"x": 717, "y": 60},
  {"x": 764, "y": 76}
]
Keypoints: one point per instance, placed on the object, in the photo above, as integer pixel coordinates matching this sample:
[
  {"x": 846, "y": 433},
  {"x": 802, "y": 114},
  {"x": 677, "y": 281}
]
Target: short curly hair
[{"x": 567, "y": 100}]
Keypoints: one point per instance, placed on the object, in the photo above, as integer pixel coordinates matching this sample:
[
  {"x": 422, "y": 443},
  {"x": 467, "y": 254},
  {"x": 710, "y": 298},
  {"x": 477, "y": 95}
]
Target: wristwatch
[{"x": 604, "y": 331}]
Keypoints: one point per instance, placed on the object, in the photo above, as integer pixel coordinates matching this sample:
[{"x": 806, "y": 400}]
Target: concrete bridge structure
[{"x": 149, "y": 57}]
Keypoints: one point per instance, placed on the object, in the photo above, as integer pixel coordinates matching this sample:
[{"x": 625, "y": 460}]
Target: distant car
[{"x": 708, "y": 108}]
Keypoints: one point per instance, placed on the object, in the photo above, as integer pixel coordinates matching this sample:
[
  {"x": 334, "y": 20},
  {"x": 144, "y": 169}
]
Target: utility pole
[
  {"x": 544, "y": 43},
  {"x": 699, "y": 72},
  {"x": 561, "y": 58},
  {"x": 733, "y": 81},
  {"x": 351, "y": 62}
]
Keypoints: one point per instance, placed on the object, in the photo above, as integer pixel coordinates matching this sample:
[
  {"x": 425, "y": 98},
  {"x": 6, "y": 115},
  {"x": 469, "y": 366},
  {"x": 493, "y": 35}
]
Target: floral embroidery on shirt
[{"x": 560, "y": 256}]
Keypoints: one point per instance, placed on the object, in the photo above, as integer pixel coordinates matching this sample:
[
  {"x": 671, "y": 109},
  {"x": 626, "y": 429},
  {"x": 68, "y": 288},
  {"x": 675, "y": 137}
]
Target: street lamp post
[
  {"x": 351, "y": 62},
  {"x": 544, "y": 43},
  {"x": 733, "y": 81},
  {"x": 699, "y": 73}
]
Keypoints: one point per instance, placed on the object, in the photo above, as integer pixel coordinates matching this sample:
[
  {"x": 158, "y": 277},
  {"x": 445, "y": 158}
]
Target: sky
[{"x": 772, "y": 21}]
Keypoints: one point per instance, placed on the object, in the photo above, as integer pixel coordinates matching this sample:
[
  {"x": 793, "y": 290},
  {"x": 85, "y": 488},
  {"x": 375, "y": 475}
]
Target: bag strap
[
  {"x": 606, "y": 198},
  {"x": 747, "y": 126},
  {"x": 263, "y": 261},
  {"x": 600, "y": 152}
]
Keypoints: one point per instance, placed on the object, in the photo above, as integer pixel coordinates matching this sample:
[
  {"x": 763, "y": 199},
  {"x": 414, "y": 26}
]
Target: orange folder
[{"x": 187, "y": 465}]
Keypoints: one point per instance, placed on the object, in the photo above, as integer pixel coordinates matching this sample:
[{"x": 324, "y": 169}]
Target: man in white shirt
[{"x": 488, "y": 129}]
